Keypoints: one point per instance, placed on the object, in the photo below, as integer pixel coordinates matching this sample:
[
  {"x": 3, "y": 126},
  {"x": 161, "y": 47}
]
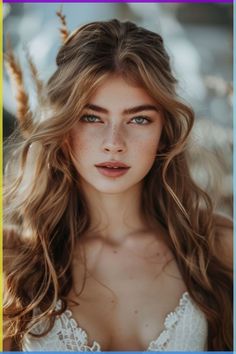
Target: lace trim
[
  {"x": 159, "y": 344},
  {"x": 170, "y": 323},
  {"x": 80, "y": 335}
]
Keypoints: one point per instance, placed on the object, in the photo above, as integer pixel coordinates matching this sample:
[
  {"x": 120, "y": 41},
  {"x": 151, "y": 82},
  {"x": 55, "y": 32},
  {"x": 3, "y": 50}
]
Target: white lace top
[{"x": 185, "y": 329}]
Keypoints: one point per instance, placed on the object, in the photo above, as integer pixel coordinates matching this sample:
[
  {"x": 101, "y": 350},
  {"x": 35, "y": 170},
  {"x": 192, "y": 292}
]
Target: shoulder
[{"x": 223, "y": 227}]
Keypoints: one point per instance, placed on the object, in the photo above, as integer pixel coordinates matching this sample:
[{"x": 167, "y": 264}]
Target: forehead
[{"x": 115, "y": 91}]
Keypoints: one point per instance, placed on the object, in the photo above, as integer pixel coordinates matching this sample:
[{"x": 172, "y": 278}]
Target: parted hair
[{"x": 44, "y": 207}]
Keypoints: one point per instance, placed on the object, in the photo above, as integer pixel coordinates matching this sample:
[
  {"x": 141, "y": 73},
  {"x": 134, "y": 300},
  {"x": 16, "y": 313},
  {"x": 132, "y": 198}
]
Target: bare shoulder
[{"x": 224, "y": 238}]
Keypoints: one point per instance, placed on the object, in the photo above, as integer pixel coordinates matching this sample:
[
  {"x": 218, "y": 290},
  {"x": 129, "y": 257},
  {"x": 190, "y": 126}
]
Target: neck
[{"x": 115, "y": 216}]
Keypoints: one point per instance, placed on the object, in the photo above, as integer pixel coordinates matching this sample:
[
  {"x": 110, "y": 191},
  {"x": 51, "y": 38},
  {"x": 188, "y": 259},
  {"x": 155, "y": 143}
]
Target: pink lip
[
  {"x": 112, "y": 164},
  {"x": 112, "y": 168}
]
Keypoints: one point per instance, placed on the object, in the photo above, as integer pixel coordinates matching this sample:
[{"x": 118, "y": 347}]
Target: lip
[
  {"x": 112, "y": 168},
  {"x": 112, "y": 164}
]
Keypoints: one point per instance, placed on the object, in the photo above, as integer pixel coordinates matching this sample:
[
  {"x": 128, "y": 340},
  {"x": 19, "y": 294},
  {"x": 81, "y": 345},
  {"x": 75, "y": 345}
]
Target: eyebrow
[{"x": 131, "y": 110}]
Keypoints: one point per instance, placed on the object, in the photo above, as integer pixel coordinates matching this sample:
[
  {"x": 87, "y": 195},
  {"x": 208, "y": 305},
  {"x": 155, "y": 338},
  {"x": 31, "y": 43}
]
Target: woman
[{"x": 109, "y": 244}]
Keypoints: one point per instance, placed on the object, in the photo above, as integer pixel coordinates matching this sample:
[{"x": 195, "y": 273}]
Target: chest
[
  {"x": 185, "y": 330},
  {"x": 125, "y": 297}
]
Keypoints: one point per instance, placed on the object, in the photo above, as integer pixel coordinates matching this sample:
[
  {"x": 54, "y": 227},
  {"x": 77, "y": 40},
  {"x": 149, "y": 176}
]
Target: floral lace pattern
[
  {"x": 185, "y": 329},
  {"x": 171, "y": 321},
  {"x": 74, "y": 337}
]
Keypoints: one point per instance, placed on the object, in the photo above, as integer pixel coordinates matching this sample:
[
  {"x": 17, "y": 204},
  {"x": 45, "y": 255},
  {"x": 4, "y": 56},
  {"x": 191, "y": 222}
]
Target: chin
[
  {"x": 109, "y": 189},
  {"x": 111, "y": 185}
]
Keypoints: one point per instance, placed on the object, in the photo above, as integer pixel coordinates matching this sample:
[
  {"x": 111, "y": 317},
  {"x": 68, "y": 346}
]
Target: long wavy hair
[{"x": 44, "y": 207}]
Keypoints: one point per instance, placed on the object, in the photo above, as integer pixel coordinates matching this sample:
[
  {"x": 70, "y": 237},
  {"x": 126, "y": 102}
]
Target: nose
[{"x": 114, "y": 141}]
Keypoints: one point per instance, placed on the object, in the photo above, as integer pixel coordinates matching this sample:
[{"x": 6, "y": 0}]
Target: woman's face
[{"x": 116, "y": 138}]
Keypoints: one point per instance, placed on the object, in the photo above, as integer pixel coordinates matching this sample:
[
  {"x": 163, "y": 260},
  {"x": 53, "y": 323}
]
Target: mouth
[{"x": 112, "y": 168}]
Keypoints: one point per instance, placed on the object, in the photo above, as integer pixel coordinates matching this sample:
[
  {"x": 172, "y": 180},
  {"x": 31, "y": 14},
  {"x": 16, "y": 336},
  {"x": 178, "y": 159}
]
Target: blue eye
[
  {"x": 89, "y": 118},
  {"x": 140, "y": 120}
]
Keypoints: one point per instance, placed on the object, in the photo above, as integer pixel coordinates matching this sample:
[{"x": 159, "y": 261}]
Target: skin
[
  {"x": 130, "y": 272},
  {"x": 119, "y": 136},
  {"x": 132, "y": 279}
]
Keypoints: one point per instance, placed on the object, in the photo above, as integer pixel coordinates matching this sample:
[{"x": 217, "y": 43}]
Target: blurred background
[{"x": 199, "y": 40}]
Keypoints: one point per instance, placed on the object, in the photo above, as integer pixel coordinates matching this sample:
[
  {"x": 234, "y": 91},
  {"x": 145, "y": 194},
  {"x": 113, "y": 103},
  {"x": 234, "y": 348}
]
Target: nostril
[{"x": 113, "y": 149}]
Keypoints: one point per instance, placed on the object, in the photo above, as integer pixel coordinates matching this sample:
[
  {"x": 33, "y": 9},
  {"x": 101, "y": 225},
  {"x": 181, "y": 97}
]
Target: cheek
[
  {"x": 83, "y": 152},
  {"x": 81, "y": 143},
  {"x": 147, "y": 146}
]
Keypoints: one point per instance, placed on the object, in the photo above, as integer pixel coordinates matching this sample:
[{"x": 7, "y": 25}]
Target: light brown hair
[{"x": 44, "y": 205}]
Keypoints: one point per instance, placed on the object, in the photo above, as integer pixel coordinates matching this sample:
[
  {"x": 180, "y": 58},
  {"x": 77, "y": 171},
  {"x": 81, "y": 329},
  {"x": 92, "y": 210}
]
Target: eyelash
[{"x": 85, "y": 118}]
